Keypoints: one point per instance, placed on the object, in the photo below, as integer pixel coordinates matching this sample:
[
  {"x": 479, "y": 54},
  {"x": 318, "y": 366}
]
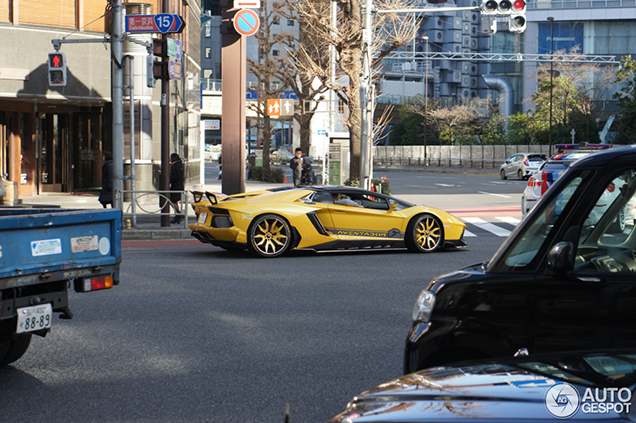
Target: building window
[
  {"x": 208, "y": 52},
  {"x": 290, "y": 22},
  {"x": 276, "y": 20},
  {"x": 208, "y": 29},
  {"x": 275, "y": 53}
]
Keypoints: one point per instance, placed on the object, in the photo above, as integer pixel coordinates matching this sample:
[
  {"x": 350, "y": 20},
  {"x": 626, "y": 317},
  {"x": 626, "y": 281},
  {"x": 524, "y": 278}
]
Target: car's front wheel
[
  {"x": 502, "y": 173},
  {"x": 425, "y": 234},
  {"x": 269, "y": 236}
]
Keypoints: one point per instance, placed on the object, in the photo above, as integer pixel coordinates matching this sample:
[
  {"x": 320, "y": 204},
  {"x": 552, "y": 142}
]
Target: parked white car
[
  {"x": 521, "y": 165},
  {"x": 212, "y": 152}
]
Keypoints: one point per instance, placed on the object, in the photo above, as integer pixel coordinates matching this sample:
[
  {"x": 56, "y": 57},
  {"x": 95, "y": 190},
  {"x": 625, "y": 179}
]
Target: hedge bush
[{"x": 275, "y": 175}]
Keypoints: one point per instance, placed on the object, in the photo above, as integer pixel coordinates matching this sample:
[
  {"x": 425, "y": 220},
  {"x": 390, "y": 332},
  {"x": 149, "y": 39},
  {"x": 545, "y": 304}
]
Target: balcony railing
[{"x": 208, "y": 84}]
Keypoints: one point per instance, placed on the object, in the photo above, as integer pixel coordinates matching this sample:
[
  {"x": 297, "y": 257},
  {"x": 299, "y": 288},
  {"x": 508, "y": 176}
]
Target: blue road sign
[{"x": 163, "y": 22}]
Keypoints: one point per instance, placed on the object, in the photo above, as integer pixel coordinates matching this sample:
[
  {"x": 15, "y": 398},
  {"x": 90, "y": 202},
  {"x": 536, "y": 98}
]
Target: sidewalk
[{"x": 148, "y": 224}]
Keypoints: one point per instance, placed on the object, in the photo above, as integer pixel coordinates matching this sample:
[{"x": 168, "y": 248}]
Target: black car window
[
  {"x": 607, "y": 242},
  {"x": 528, "y": 243},
  {"x": 323, "y": 197}
]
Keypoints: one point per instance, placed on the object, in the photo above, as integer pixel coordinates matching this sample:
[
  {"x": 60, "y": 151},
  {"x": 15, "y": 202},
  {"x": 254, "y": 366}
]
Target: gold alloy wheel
[
  {"x": 428, "y": 233},
  {"x": 270, "y": 236}
]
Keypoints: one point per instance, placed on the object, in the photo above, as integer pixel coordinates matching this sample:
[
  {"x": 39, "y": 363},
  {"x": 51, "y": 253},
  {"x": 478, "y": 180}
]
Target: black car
[
  {"x": 574, "y": 386},
  {"x": 564, "y": 280}
]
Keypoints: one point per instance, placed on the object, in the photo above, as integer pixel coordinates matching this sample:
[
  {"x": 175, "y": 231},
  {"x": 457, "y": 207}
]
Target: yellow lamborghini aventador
[{"x": 272, "y": 222}]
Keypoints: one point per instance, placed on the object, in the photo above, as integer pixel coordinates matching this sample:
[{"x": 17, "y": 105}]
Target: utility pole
[
  {"x": 365, "y": 83},
  {"x": 164, "y": 183},
  {"x": 234, "y": 71},
  {"x": 116, "y": 42}
]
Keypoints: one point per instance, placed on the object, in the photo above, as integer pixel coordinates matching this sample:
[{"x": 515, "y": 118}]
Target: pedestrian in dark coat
[
  {"x": 106, "y": 196},
  {"x": 177, "y": 177}
]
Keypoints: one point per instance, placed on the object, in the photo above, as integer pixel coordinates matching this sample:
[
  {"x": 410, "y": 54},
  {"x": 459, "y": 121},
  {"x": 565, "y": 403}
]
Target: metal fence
[
  {"x": 467, "y": 157},
  {"x": 139, "y": 207}
]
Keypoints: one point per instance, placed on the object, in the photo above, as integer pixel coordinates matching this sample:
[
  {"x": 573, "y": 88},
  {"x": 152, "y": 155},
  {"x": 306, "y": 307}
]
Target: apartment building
[{"x": 53, "y": 136}]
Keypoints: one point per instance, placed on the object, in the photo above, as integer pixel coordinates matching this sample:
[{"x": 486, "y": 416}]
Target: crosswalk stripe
[
  {"x": 468, "y": 233},
  {"x": 482, "y": 224},
  {"x": 512, "y": 220}
]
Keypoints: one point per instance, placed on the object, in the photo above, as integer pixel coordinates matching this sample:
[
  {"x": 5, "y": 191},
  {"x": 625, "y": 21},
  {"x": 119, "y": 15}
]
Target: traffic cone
[{"x": 284, "y": 178}]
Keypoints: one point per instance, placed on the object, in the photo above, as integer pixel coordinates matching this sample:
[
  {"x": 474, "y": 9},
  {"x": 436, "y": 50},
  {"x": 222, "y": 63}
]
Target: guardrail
[
  {"x": 148, "y": 203},
  {"x": 483, "y": 165}
]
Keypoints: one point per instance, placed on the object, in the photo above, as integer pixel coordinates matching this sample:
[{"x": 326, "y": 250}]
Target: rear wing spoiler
[{"x": 212, "y": 197}]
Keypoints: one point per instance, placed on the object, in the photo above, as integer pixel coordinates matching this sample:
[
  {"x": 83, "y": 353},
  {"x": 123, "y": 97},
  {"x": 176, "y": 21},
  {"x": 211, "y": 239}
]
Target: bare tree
[
  {"x": 308, "y": 89},
  {"x": 390, "y": 32},
  {"x": 451, "y": 124},
  {"x": 269, "y": 71}
]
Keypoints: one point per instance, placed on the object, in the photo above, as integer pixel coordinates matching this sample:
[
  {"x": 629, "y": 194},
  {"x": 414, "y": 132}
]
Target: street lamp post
[
  {"x": 425, "y": 99},
  {"x": 551, "y": 19}
]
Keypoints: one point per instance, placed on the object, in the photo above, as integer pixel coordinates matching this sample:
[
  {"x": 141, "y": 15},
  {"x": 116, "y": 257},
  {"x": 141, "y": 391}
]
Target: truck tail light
[{"x": 93, "y": 284}]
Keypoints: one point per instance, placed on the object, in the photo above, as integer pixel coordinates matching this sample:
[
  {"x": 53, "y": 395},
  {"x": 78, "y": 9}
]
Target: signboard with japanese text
[{"x": 163, "y": 23}]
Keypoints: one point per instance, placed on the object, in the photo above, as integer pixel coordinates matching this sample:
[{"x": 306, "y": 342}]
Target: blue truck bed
[{"x": 44, "y": 252}]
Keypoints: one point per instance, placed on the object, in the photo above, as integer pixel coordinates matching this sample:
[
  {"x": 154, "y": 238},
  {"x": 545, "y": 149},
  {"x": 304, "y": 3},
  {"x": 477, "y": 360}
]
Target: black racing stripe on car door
[{"x": 315, "y": 220}]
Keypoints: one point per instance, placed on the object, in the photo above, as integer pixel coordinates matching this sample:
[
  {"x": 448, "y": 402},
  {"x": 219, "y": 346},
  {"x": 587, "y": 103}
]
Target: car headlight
[{"x": 424, "y": 306}]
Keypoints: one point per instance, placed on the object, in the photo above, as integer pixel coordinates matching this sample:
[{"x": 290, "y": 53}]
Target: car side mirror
[
  {"x": 392, "y": 207},
  {"x": 560, "y": 257}
]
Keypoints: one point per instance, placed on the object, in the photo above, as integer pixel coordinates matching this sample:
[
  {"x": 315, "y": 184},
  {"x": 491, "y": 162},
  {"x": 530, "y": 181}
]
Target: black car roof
[{"x": 605, "y": 157}]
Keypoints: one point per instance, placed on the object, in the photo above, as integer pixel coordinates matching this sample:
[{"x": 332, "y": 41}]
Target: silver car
[{"x": 521, "y": 165}]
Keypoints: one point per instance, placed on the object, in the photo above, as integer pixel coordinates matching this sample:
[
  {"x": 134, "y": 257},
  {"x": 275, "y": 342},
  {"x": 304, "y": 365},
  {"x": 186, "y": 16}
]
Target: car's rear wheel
[
  {"x": 15, "y": 349},
  {"x": 618, "y": 226},
  {"x": 519, "y": 174},
  {"x": 269, "y": 236},
  {"x": 503, "y": 174},
  {"x": 424, "y": 234}
]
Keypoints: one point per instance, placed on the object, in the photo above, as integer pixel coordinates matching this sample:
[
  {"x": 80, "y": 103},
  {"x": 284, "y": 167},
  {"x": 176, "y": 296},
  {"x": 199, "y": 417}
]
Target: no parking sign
[{"x": 246, "y": 22}]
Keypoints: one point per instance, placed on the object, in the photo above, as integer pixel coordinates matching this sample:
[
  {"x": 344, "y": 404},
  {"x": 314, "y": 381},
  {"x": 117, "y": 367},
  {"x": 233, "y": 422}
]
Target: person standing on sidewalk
[
  {"x": 177, "y": 178},
  {"x": 106, "y": 196},
  {"x": 298, "y": 163}
]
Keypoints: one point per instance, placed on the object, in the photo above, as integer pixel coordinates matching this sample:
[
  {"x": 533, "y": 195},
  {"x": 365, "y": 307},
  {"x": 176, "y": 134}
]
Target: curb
[{"x": 155, "y": 234}]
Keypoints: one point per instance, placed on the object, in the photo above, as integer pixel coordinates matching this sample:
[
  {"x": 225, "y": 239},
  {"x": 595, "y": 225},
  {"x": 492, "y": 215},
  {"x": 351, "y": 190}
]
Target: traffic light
[
  {"x": 517, "y": 22},
  {"x": 150, "y": 70},
  {"x": 57, "y": 69},
  {"x": 157, "y": 62},
  {"x": 496, "y": 7}
]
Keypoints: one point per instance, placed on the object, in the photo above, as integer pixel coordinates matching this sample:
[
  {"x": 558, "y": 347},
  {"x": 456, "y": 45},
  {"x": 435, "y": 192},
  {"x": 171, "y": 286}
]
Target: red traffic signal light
[
  {"x": 519, "y": 6},
  {"x": 57, "y": 69},
  {"x": 517, "y": 22}
]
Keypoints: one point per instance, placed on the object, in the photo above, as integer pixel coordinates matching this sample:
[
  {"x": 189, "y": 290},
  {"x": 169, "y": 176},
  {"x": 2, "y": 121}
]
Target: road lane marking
[
  {"x": 468, "y": 233},
  {"x": 445, "y": 185},
  {"x": 512, "y": 220},
  {"x": 496, "y": 195},
  {"x": 489, "y": 227}
]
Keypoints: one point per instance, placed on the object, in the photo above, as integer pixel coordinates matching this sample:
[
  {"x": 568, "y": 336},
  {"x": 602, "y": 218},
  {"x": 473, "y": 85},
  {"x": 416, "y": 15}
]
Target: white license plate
[
  {"x": 34, "y": 318},
  {"x": 203, "y": 217}
]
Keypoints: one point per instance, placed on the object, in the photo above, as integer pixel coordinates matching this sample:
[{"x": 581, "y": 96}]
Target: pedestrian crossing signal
[{"x": 57, "y": 69}]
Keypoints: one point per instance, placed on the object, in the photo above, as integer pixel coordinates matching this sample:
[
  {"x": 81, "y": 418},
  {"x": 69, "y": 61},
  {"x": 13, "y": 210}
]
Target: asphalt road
[
  {"x": 448, "y": 191},
  {"x": 198, "y": 334}
]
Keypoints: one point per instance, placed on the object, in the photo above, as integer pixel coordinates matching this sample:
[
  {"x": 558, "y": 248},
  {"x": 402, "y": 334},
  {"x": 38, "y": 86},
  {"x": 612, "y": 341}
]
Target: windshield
[
  {"x": 528, "y": 243},
  {"x": 594, "y": 370}
]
